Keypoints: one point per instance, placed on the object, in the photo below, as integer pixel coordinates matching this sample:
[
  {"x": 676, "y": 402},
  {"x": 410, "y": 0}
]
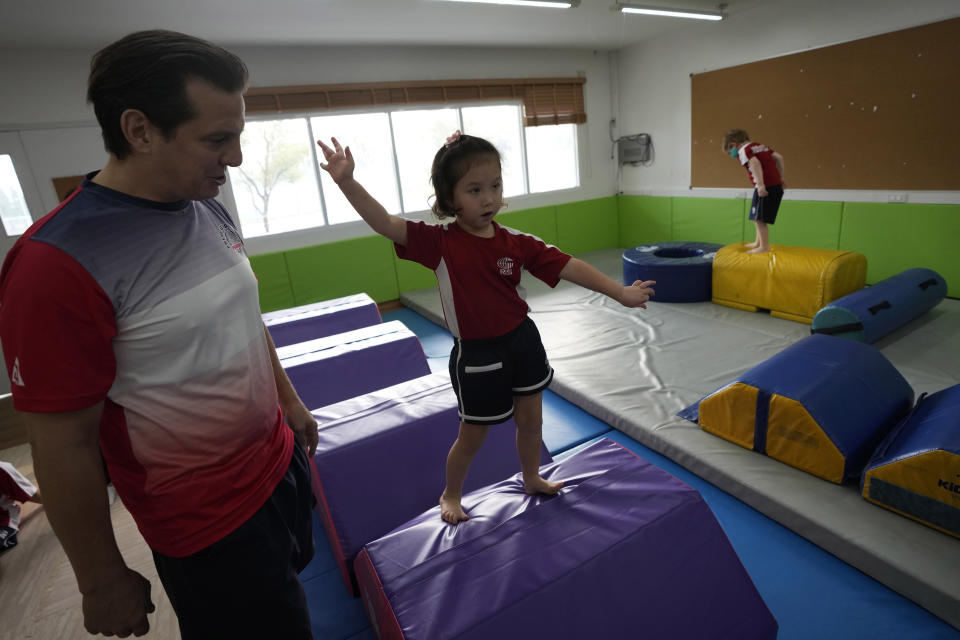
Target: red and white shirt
[
  {"x": 768, "y": 166},
  {"x": 151, "y": 308},
  {"x": 479, "y": 278}
]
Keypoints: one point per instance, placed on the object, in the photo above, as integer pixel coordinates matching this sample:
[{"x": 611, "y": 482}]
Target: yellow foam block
[
  {"x": 924, "y": 487},
  {"x": 792, "y": 436},
  {"x": 792, "y": 282}
]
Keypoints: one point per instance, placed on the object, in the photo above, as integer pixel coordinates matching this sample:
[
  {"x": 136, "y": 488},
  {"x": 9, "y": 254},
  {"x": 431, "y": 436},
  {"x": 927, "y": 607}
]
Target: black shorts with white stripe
[{"x": 487, "y": 374}]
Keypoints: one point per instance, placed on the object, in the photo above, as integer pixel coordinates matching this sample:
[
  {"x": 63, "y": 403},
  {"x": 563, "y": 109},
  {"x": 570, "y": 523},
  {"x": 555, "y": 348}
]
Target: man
[{"x": 130, "y": 326}]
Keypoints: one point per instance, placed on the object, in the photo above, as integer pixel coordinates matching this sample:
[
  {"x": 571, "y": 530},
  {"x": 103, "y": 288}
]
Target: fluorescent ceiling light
[
  {"x": 670, "y": 13},
  {"x": 551, "y": 4}
]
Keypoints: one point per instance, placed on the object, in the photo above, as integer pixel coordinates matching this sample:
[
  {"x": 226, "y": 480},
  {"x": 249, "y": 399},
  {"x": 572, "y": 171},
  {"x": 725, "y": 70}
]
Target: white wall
[
  {"x": 654, "y": 78},
  {"x": 44, "y": 102}
]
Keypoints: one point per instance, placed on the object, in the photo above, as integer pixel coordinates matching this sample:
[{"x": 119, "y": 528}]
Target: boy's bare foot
[
  {"x": 539, "y": 485},
  {"x": 759, "y": 250},
  {"x": 451, "y": 511},
  {"x": 750, "y": 245}
]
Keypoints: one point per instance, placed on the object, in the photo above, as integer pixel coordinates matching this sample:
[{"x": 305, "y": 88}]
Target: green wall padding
[
  {"x": 895, "y": 237},
  {"x": 803, "y": 223},
  {"x": 347, "y": 267},
  {"x": 541, "y": 222},
  {"x": 273, "y": 281},
  {"x": 413, "y": 275},
  {"x": 644, "y": 220},
  {"x": 718, "y": 220},
  {"x": 588, "y": 225}
]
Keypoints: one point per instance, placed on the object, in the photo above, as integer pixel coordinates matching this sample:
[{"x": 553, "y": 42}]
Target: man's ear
[{"x": 138, "y": 130}]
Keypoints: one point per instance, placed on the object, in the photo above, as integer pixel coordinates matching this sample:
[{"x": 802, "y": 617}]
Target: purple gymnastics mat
[
  {"x": 624, "y": 551},
  {"x": 381, "y": 457},
  {"x": 331, "y": 369},
  {"x": 311, "y": 321}
]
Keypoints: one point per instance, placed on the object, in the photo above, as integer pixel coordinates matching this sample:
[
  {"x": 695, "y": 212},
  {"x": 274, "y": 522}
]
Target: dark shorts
[
  {"x": 246, "y": 585},
  {"x": 765, "y": 209},
  {"x": 487, "y": 374}
]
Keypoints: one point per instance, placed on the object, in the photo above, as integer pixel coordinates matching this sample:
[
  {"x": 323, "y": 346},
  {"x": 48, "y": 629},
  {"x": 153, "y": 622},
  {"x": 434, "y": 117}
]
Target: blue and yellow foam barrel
[
  {"x": 821, "y": 405},
  {"x": 916, "y": 470},
  {"x": 869, "y": 314}
]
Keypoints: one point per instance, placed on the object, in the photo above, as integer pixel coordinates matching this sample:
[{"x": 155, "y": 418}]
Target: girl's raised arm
[{"x": 339, "y": 164}]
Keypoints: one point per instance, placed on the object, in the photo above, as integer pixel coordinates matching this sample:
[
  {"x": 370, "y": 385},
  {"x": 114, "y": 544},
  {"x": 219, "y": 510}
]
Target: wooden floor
[{"x": 38, "y": 593}]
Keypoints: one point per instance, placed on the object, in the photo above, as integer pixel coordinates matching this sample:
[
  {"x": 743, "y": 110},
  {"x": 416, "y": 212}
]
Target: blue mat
[{"x": 811, "y": 593}]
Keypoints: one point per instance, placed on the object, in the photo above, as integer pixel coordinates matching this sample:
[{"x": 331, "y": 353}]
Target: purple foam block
[
  {"x": 321, "y": 319},
  {"x": 331, "y": 369},
  {"x": 381, "y": 459},
  {"x": 624, "y": 551}
]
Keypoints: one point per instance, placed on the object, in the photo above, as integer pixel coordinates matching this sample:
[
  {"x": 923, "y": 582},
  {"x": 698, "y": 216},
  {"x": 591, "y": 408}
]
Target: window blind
[{"x": 545, "y": 100}]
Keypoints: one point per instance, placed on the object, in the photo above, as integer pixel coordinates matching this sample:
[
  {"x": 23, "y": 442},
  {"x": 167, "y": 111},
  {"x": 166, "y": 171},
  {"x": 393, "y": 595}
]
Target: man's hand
[
  {"x": 637, "y": 294},
  {"x": 340, "y": 164},
  {"x": 119, "y": 607},
  {"x": 303, "y": 424}
]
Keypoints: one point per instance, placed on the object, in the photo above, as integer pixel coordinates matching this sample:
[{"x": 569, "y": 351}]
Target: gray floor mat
[{"x": 635, "y": 369}]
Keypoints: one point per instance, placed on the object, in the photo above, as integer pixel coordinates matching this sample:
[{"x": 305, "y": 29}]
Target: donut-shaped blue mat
[
  {"x": 871, "y": 313},
  {"x": 683, "y": 270}
]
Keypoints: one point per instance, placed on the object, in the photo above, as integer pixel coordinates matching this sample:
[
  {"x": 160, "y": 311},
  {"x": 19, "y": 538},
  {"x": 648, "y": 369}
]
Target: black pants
[{"x": 246, "y": 585}]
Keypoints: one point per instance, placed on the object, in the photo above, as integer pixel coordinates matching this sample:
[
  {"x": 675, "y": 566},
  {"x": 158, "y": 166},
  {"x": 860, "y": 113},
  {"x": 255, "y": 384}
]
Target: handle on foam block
[
  {"x": 927, "y": 283},
  {"x": 842, "y": 328},
  {"x": 875, "y": 309}
]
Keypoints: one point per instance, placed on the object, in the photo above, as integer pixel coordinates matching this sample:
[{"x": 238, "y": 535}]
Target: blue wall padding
[
  {"x": 850, "y": 389},
  {"x": 683, "y": 270},
  {"x": 871, "y": 313}
]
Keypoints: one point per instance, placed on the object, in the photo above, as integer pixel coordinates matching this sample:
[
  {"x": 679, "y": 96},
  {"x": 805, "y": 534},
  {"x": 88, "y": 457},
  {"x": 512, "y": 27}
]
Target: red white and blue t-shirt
[
  {"x": 768, "y": 166},
  {"x": 153, "y": 309},
  {"x": 479, "y": 278}
]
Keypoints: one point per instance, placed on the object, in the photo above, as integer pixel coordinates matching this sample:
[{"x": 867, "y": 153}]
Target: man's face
[{"x": 192, "y": 164}]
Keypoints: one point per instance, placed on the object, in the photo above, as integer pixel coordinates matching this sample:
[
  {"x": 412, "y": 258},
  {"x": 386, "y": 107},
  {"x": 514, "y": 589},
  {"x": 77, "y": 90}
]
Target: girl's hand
[
  {"x": 637, "y": 294},
  {"x": 339, "y": 163}
]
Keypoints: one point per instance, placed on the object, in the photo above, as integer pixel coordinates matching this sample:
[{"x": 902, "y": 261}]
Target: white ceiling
[{"x": 94, "y": 23}]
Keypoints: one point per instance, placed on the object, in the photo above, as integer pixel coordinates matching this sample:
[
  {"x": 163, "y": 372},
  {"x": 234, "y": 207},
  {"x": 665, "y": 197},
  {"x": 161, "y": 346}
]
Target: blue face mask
[{"x": 733, "y": 153}]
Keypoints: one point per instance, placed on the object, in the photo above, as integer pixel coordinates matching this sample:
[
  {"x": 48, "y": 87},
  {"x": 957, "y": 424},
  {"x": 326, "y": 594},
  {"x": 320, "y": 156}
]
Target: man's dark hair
[{"x": 148, "y": 71}]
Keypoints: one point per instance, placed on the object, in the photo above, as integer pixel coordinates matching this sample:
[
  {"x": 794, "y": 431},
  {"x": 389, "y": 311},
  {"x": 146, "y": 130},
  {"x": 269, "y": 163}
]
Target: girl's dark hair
[
  {"x": 148, "y": 71},
  {"x": 452, "y": 163}
]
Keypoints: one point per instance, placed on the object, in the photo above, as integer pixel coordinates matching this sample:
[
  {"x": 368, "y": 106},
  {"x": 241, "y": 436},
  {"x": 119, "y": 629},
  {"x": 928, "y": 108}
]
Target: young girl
[{"x": 498, "y": 366}]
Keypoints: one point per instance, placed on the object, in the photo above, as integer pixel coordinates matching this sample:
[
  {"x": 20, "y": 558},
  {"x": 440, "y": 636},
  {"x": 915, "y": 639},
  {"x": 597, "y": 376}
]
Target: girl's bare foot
[
  {"x": 451, "y": 511},
  {"x": 539, "y": 485},
  {"x": 759, "y": 250},
  {"x": 750, "y": 245}
]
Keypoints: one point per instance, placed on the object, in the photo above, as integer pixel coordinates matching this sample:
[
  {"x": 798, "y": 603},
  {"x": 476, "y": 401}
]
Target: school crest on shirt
[
  {"x": 230, "y": 237},
  {"x": 506, "y": 266}
]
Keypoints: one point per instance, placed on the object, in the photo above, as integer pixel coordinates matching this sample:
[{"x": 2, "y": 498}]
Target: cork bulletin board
[{"x": 877, "y": 113}]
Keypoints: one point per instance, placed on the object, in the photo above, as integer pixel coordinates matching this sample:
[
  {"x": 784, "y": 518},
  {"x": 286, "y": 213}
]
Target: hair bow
[{"x": 453, "y": 139}]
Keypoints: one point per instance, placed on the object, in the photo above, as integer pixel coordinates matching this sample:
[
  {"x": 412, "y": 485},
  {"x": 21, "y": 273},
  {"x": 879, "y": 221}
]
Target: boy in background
[{"x": 765, "y": 167}]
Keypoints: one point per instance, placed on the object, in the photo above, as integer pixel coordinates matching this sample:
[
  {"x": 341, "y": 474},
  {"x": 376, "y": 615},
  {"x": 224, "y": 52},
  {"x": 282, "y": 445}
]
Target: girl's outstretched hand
[
  {"x": 339, "y": 161},
  {"x": 637, "y": 294}
]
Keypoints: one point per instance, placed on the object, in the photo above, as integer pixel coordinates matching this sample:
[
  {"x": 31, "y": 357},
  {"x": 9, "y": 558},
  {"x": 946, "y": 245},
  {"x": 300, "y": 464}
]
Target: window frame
[
  {"x": 11, "y": 144},
  {"x": 230, "y": 200}
]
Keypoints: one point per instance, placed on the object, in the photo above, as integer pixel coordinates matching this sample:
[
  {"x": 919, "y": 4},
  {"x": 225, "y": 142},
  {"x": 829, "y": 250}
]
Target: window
[
  {"x": 13, "y": 206},
  {"x": 368, "y": 136},
  {"x": 281, "y": 187},
  {"x": 276, "y": 187},
  {"x": 552, "y": 157},
  {"x": 419, "y": 135}
]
